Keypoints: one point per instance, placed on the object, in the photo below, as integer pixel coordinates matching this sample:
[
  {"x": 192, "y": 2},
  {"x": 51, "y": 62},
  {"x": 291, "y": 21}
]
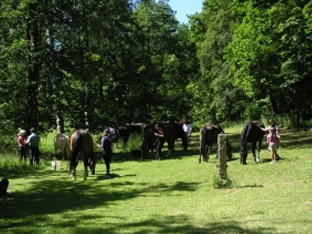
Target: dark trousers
[
  {"x": 107, "y": 159},
  {"x": 34, "y": 155},
  {"x": 22, "y": 152},
  {"x": 159, "y": 145}
]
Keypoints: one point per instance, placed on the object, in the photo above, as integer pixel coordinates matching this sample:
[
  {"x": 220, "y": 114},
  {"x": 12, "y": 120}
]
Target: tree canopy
[{"x": 91, "y": 63}]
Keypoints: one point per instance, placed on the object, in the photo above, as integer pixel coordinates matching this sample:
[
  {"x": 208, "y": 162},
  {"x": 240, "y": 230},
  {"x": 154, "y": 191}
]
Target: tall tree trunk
[{"x": 33, "y": 70}]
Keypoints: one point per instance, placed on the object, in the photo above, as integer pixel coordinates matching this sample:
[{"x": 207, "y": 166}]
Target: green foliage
[
  {"x": 95, "y": 63},
  {"x": 10, "y": 164},
  {"x": 218, "y": 183}
]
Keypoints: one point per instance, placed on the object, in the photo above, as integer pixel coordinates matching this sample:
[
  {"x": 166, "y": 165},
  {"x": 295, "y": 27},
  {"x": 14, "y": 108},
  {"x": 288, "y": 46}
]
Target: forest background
[{"x": 91, "y": 63}]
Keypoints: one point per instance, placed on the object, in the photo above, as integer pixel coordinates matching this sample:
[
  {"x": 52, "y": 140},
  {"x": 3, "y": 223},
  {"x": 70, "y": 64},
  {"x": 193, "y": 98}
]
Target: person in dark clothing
[
  {"x": 159, "y": 141},
  {"x": 106, "y": 145},
  {"x": 33, "y": 141},
  {"x": 4, "y": 184}
]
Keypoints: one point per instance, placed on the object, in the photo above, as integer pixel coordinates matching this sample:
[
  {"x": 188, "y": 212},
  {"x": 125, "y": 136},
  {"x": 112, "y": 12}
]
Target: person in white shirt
[{"x": 187, "y": 128}]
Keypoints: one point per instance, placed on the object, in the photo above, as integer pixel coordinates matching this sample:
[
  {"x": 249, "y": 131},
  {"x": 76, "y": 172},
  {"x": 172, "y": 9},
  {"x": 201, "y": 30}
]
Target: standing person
[
  {"x": 33, "y": 141},
  {"x": 160, "y": 140},
  {"x": 187, "y": 128},
  {"x": 106, "y": 145},
  {"x": 272, "y": 141},
  {"x": 273, "y": 127},
  {"x": 22, "y": 144}
]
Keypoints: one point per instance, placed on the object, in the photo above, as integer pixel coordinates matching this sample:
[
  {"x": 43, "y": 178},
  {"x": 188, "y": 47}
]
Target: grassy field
[{"x": 175, "y": 195}]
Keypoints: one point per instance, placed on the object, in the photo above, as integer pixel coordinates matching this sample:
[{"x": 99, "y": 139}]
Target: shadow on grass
[
  {"x": 183, "y": 224},
  {"x": 56, "y": 194}
]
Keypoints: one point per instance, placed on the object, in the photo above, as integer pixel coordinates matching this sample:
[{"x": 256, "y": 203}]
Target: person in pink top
[
  {"x": 21, "y": 143},
  {"x": 273, "y": 141}
]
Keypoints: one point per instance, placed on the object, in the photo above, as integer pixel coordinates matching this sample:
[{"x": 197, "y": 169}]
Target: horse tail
[
  {"x": 67, "y": 147},
  {"x": 75, "y": 144},
  {"x": 202, "y": 141}
]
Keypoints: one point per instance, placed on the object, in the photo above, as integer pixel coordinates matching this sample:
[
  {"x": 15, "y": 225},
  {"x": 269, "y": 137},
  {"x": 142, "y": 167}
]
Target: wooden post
[{"x": 222, "y": 151}]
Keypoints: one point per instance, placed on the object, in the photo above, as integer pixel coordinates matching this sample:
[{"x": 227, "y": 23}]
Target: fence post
[{"x": 222, "y": 151}]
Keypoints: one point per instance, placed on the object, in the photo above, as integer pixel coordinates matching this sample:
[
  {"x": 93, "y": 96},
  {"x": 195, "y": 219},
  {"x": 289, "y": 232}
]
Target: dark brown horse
[
  {"x": 208, "y": 135},
  {"x": 251, "y": 133},
  {"x": 81, "y": 143},
  {"x": 171, "y": 132},
  {"x": 179, "y": 133}
]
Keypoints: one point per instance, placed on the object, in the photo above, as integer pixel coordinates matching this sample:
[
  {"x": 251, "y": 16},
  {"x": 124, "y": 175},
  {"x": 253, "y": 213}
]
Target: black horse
[
  {"x": 124, "y": 132},
  {"x": 179, "y": 132},
  {"x": 208, "y": 135},
  {"x": 81, "y": 142},
  {"x": 171, "y": 133},
  {"x": 251, "y": 133}
]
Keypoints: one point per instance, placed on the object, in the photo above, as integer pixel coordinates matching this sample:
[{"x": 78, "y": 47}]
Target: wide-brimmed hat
[{"x": 106, "y": 130}]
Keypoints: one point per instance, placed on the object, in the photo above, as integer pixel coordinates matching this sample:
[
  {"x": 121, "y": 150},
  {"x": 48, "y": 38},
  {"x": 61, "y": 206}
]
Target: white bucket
[{"x": 56, "y": 165}]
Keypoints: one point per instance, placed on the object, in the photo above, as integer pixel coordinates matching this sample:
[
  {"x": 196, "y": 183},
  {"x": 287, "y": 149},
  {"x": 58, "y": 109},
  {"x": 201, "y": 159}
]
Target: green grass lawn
[{"x": 175, "y": 195}]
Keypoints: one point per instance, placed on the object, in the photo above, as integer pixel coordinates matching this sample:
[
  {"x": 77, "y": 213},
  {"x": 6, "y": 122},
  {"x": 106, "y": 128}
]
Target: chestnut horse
[
  {"x": 61, "y": 142},
  {"x": 81, "y": 142}
]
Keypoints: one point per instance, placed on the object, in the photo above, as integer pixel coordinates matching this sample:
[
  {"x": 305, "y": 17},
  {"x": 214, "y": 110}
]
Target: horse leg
[
  {"x": 259, "y": 150},
  {"x": 73, "y": 173},
  {"x": 254, "y": 151},
  {"x": 206, "y": 153},
  {"x": 169, "y": 153},
  {"x": 86, "y": 165},
  {"x": 200, "y": 154},
  {"x": 85, "y": 173},
  {"x": 74, "y": 163},
  {"x": 63, "y": 154}
]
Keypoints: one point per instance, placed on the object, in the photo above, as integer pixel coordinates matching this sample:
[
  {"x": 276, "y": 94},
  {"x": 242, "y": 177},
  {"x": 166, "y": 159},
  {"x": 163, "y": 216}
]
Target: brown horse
[
  {"x": 61, "y": 143},
  {"x": 81, "y": 142}
]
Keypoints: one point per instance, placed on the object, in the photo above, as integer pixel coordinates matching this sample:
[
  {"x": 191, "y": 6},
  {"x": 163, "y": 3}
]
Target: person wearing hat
[
  {"x": 21, "y": 143},
  {"x": 106, "y": 145}
]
